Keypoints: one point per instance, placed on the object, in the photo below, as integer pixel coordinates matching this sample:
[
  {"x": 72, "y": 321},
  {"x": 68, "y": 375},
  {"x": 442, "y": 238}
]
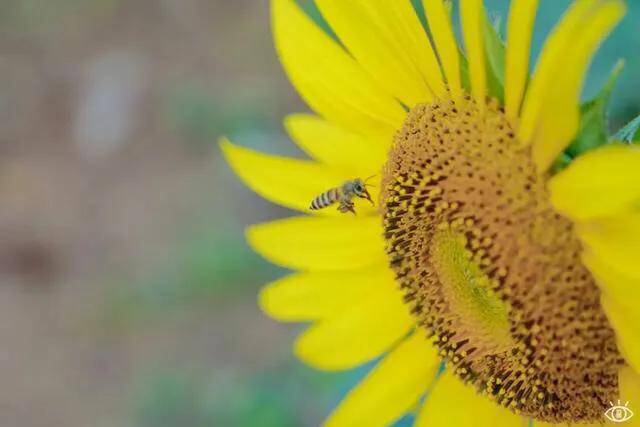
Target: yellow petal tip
[
  {"x": 265, "y": 302},
  {"x": 250, "y": 235},
  {"x": 225, "y": 146},
  {"x": 272, "y": 304},
  {"x": 310, "y": 357},
  {"x": 229, "y": 150}
]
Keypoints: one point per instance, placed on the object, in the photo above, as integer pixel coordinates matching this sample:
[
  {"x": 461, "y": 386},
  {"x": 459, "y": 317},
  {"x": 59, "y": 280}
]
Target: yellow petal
[
  {"x": 620, "y": 288},
  {"x": 541, "y": 424},
  {"x": 318, "y": 295},
  {"x": 358, "y": 334},
  {"x": 320, "y": 244},
  {"x": 602, "y": 182},
  {"x": 445, "y": 41},
  {"x": 558, "y": 118},
  {"x": 627, "y": 330},
  {"x": 288, "y": 182},
  {"x": 452, "y": 403},
  {"x": 330, "y": 80},
  {"x": 522, "y": 16},
  {"x": 616, "y": 240},
  {"x": 392, "y": 388},
  {"x": 472, "y": 15},
  {"x": 629, "y": 383},
  {"x": 620, "y": 301},
  {"x": 551, "y": 57},
  {"x": 336, "y": 146},
  {"x": 388, "y": 40}
]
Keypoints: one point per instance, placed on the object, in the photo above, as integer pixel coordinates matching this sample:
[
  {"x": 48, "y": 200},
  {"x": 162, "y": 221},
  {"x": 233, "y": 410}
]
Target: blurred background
[{"x": 127, "y": 292}]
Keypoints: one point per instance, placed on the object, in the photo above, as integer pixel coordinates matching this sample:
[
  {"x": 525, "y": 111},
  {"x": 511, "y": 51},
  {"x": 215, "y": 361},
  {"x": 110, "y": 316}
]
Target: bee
[{"x": 343, "y": 195}]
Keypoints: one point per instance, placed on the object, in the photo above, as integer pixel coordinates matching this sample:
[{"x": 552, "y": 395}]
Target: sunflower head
[{"x": 492, "y": 271}]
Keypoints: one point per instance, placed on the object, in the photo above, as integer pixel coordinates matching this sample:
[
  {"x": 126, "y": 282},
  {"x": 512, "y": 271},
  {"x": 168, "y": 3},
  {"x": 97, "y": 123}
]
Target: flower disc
[{"x": 491, "y": 270}]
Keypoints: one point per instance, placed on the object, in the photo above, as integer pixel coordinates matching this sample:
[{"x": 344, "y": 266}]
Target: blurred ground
[{"x": 127, "y": 294}]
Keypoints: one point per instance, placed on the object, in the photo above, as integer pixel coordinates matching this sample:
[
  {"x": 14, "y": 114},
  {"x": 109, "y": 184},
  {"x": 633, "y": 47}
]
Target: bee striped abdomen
[{"x": 325, "y": 199}]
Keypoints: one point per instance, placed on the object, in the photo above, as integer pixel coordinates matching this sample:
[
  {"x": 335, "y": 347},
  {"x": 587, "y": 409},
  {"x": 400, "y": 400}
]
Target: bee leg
[
  {"x": 350, "y": 207},
  {"x": 346, "y": 206}
]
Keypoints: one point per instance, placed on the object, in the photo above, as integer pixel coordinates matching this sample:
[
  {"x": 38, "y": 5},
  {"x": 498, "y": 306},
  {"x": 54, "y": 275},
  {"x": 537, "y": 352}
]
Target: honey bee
[{"x": 343, "y": 195}]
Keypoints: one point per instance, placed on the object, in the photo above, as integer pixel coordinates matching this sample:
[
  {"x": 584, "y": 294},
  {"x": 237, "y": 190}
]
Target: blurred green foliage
[
  {"x": 200, "y": 115},
  {"x": 275, "y": 398},
  {"x": 206, "y": 269}
]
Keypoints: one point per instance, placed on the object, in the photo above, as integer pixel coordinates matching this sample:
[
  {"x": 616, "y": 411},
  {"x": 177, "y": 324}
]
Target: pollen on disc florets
[{"x": 490, "y": 270}]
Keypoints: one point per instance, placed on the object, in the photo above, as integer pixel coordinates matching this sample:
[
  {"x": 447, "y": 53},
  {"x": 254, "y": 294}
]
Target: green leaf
[
  {"x": 495, "y": 51},
  {"x": 465, "y": 80},
  {"x": 594, "y": 121},
  {"x": 630, "y": 133},
  {"x": 560, "y": 163}
]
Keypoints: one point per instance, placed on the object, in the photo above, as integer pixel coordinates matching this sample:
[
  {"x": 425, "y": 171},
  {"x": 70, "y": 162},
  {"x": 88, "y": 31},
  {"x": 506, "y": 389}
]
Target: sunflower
[{"x": 496, "y": 281}]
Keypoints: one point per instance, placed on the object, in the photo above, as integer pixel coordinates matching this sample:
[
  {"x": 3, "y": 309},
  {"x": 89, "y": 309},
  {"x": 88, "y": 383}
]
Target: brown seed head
[{"x": 491, "y": 271}]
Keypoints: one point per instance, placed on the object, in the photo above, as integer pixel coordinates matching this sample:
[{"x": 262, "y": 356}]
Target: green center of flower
[
  {"x": 469, "y": 291},
  {"x": 490, "y": 270}
]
